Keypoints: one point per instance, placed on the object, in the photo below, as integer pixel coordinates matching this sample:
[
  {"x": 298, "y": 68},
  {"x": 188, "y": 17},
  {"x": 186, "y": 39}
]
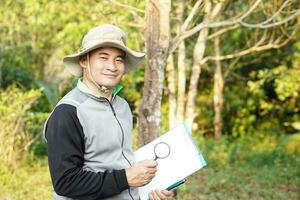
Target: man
[{"x": 89, "y": 133}]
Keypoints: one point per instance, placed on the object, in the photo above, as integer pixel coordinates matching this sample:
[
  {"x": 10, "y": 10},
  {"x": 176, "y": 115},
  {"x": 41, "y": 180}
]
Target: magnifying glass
[{"x": 161, "y": 150}]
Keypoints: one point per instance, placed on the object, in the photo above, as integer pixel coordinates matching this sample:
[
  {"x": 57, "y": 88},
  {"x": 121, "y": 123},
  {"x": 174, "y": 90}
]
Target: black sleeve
[{"x": 65, "y": 142}]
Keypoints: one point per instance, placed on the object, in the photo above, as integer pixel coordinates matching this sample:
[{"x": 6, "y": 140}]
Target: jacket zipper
[{"x": 122, "y": 142}]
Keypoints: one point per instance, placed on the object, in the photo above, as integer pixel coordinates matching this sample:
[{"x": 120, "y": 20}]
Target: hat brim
[{"x": 133, "y": 59}]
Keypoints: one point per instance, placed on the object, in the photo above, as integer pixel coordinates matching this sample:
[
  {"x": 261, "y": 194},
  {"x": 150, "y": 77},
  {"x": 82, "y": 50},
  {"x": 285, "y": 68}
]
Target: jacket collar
[{"x": 84, "y": 88}]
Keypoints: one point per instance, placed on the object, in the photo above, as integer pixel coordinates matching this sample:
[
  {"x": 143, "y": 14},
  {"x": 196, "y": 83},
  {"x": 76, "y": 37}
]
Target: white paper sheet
[{"x": 184, "y": 159}]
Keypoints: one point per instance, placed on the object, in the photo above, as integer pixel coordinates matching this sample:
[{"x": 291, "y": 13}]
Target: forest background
[{"x": 244, "y": 109}]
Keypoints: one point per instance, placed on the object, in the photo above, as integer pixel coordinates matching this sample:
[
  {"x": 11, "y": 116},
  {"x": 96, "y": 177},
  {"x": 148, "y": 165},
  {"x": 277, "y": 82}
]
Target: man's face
[{"x": 107, "y": 66}]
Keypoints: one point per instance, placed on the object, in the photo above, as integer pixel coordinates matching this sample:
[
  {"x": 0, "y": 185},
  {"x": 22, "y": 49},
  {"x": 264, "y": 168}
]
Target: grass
[
  {"x": 251, "y": 168},
  {"x": 243, "y": 182},
  {"x": 236, "y": 170},
  {"x": 26, "y": 181}
]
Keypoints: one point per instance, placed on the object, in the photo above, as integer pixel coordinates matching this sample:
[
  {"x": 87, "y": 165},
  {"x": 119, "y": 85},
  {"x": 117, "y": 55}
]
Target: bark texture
[
  {"x": 218, "y": 91},
  {"x": 181, "y": 67},
  {"x": 157, "y": 42},
  {"x": 198, "y": 54},
  {"x": 211, "y": 13},
  {"x": 170, "y": 75}
]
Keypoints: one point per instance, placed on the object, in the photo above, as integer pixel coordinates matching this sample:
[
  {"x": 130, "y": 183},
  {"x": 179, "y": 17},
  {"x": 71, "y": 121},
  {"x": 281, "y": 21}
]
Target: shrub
[{"x": 15, "y": 105}]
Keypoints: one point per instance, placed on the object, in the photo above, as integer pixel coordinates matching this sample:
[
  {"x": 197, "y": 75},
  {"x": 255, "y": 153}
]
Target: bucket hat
[{"x": 103, "y": 36}]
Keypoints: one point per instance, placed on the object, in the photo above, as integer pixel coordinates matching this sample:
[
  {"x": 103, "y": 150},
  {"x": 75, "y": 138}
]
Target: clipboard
[{"x": 183, "y": 159}]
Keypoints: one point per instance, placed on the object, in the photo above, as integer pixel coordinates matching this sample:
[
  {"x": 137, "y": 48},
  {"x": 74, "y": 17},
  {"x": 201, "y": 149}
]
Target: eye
[
  {"x": 119, "y": 60},
  {"x": 103, "y": 57}
]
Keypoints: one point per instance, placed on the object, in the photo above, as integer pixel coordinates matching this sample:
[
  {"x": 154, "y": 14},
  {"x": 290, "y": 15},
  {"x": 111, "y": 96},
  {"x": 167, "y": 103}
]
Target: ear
[{"x": 83, "y": 62}]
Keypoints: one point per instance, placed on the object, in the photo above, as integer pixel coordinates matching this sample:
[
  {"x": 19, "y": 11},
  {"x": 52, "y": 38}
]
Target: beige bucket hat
[{"x": 103, "y": 36}]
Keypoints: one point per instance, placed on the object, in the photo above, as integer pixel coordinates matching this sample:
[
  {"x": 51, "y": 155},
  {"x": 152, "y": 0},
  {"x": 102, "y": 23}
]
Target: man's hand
[
  {"x": 141, "y": 173},
  {"x": 160, "y": 195}
]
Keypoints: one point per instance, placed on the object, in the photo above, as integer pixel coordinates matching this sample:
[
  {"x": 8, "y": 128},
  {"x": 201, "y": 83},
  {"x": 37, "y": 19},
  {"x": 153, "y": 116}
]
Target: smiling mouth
[{"x": 111, "y": 75}]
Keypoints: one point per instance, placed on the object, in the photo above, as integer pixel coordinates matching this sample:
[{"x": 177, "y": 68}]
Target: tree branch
[
  {"x": 233, "y": 22},
  {"x": 230, "y": 67},
  {"x": 248, "y": 51},
  {"x": 126, "y": 6},
  {"x": 220, "y": 32},
  {"x": 276, "y": 13},
  {"x": 264, "y": 26},
  {"x": 256, "y": 48},
  {"x": 252, "y": 8},
  {"x": 202, "y": 25},
  {"x": 191, "y": 15}
]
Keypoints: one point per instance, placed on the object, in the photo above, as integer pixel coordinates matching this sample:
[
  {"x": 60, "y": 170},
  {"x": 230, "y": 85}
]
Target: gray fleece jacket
[{"x": 89, "y": 143}]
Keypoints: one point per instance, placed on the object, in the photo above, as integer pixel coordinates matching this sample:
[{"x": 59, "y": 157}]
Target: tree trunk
[
  {"x": 210, "y": 15},
  {"x": 157, "y": 43},
  {"x": 171, "y": 90},
  {"x": 196, "y": 70},
  {"x": 1, "y": 61},
  {"x": 218, "y": 91},
  {"x": 198, "y": 54},
  {"x": 181, "y": 67}
]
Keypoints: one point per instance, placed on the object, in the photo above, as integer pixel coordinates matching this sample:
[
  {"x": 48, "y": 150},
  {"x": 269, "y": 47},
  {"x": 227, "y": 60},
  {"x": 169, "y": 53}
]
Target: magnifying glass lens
[{"x": 162, "y": 150}]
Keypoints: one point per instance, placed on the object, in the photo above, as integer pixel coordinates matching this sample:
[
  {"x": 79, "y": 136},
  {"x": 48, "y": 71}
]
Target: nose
[{"x": 111, "y": 65}]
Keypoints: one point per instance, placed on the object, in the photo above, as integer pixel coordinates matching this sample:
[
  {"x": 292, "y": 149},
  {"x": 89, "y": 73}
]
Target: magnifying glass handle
[{"x": 155, "y": 158}]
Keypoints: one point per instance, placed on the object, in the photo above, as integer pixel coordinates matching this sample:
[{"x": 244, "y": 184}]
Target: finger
[
  {"x": 152, "y": 170},
  {"x": 147, "y": 178},
  {"x": 151, "y": 196},
  {"x": 148, "y": 174},
  {"x": 151, "y": 163},
  {"x": 155, "y": 195},
  {"x": 151, "y": 176},
  {"x": 160, "y": 194},
  {"x": 168, "y": 193}
]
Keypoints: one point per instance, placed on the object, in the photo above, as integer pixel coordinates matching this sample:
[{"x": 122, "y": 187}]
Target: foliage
[
  {"x": 246, "y": 168},
  {"x": 261, "y": 94},
  {"x": 34, "y": 41},
  {"x": 277, "y": 93},
  {"x": 31, "y": 180},
  {"x": 243, "y": 182},
  {"x": 255, "y": 151},
  {"x": 237, "y": 169},
  {"x": 17, "y": 127}
]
